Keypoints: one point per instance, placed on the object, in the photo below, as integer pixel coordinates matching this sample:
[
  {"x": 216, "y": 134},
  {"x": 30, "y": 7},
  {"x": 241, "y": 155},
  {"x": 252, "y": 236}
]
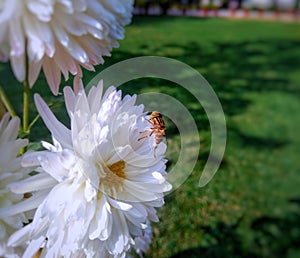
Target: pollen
[
  {"x": 118, "y": 169},
  {"x": 111, "y": 182}
]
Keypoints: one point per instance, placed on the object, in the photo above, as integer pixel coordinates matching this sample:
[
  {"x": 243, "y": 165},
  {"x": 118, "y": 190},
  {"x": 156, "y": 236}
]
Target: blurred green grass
[{"x": 251, "y": 208}]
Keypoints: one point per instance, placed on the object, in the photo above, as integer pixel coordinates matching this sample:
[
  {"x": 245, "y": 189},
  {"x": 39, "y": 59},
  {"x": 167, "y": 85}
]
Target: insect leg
[{"x": 146, "y": 136}]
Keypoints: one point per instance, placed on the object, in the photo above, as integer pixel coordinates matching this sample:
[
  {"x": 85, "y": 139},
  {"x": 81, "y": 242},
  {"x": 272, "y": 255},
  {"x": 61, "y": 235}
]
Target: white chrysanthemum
[
  {"x": 60, "y": 35},
  {"x": 104, "y": 182},
  {"x": 10, "y": 170},
  {"x": 141, "y": 243}
]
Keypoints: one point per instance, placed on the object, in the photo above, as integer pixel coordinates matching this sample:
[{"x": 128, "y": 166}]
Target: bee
[{"x": 158, "y": 127}]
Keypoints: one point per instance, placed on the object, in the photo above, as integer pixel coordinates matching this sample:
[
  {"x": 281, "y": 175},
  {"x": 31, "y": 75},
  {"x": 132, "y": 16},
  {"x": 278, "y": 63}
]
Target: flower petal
[
  {"x": 52, "y": 74},
  {"x": 58, "y": 130}
]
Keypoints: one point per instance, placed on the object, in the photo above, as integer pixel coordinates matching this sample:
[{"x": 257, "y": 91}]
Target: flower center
[
  {"x": 111, "y": 183},
  {"x": 118, "y": 169}
]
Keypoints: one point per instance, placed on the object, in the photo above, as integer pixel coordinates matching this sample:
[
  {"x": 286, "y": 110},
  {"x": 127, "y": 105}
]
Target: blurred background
[
  {"x": 287, "y": 9},
  {"x": 249, "y": 53}
]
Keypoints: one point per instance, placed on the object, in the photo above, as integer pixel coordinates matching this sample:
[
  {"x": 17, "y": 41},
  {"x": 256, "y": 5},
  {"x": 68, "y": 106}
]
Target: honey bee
[{"x": 158, "y": 127}]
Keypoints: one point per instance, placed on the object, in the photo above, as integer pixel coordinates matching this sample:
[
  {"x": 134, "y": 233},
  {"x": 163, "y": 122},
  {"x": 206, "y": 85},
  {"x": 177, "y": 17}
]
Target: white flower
[
  {"x": 60, "y": 35},
  {"x": 141, "y": 243},
  {"x": 10, "y": 170},
  {"x": 102, "y": 182}
]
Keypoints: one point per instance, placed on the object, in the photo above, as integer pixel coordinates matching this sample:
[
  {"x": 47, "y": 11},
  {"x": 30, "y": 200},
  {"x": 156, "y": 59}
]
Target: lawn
[{"x": 251, "y": 208}]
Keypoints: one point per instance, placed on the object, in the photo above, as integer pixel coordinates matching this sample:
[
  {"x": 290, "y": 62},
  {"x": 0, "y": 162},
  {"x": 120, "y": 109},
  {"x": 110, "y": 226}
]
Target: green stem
[
  {"x": 25, "y": 130},
  {"x": 26, "y": 107},
  {"x": 6, "y": 102},
  {"x": 26, "y": 91},
  {"x": 33, "y": 122}
]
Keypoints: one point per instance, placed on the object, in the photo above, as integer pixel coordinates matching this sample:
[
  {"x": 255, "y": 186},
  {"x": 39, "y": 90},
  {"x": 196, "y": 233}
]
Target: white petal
[
  {"x": 34, "y": 71},
  {"x": 69, "y": 99},
  {"x": 33, "y": 183},
  {"x": 42, "y": 9},
  {"x": 58, "y": 130},
  {"x": 10, "y": 131},
  {"x": 52, "y": 74},
  {"x": 26, "y": 205},
  {"x": 120, "y": 237},
  {"x": 54, "y": 166},
  {"x": 120, "y": 205},
  {"x": 18, "y": 66},
  {"x": 19, "y": 237},
  {"x": 31, "y": 159},
  {"x": 34, "y": 246},
  {"x": 101, "y": 224},
  {"x": 94, "y": 97}
]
